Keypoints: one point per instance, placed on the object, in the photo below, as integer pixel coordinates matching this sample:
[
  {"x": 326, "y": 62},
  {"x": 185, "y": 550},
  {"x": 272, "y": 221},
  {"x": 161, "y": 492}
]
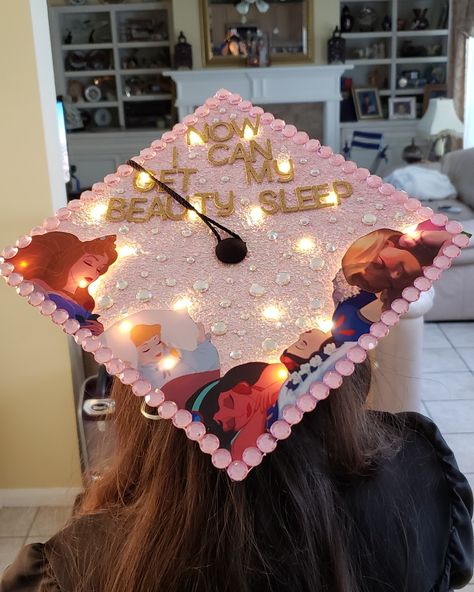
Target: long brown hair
[{"x": 180, "y": 525}]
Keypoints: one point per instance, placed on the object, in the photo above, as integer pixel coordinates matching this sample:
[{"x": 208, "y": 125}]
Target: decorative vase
[
  {"x": 387, "y": 23},
  {"x": 336, "y": 48},
  {"x": 347, "y": 20},
  {"x": 412, "y": 153},
  {"x": 367, "y": 18},
  {"x": 420, "y": 22}
]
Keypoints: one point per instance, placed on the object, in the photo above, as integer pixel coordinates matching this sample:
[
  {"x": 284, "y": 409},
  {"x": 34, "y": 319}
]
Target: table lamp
[{"x": 439, "y": 122}]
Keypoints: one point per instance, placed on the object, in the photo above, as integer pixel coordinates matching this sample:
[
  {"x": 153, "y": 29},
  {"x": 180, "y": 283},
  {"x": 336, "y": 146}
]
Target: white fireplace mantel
[{"x": 278, "y": 84}]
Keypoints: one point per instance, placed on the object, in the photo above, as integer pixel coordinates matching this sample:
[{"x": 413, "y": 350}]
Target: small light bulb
[
  {"x": 284, "y": 166},
  {"x": 182, "y": 304},
  {"x": 23, "y": 264},
  {"x": 168, "y": 363},
  {"x": 83, "y": 283},
  {"x": 143, "y": 181},
  {"x": 256, "y": 214},
  {"x": 283, "y": 373},
  {"x": 272, "y": 312},
  {"x": 98, "y": 211},
  {"x": 195, "y": 139},
  {"x": 125, "y": 327},
  {"x": 331, "y": 199},
  {"x": 126, "y": 251},
  {"x": 325, "y": 325},
  {"x": 305, "y": 244},
  {"x": 412, "y": 231},
  {"x": 248, "y": 133}
]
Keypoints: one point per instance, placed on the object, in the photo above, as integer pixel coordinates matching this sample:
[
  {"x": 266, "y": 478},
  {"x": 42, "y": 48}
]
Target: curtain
[{"x": 461, "y": 27}]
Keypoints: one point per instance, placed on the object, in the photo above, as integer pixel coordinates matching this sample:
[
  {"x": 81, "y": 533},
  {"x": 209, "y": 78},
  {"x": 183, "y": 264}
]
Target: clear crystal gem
[
  {"x": 315, "y": 172},
  {"x": 287, "y": 255},
  {"x": 350, "y": 230},
  {"x": 155, "y": 230},
  {"x": 186, "y": 232},
  {"x": 244, "y": 201},
  {"x": 360, "y": 199},
  {"x": 379, "y": 206},
  {"x": 245, "y": 316},
  {"x": 219, "y": 328},
  {"x": 121, "y": 284},
  {"x": 306, "y": 282},
  {"x": 215, "y": 120},
  {"x": 304, "y": 221},
  {"x": 190, "y": 260},
  {"x": 303, "y": 160},
  {"x": 272, "y": 235},
  {"x": 241, "y": 332},
  {"x": 369, "y": 219},
  {"x": 252, "y": 268},
  {"x": 124, "y": 229},
  {"x": 202, "y": 180},
  {"x": 225, "y": 179},
  {"x": 120, "y": 190},
  {"x": 282, "y": 278},
  {"x": 225, "y": 303},
  {"x": 316, "y": 264},
  {"x": 314, "y": 304},
  {"x": 104, "y": 302},
  {"x": 192, "y": 155},
  {"x": 144, "y": 274},
  {"x": 201, "y": 286},
  {"x": 170, "y": 282},
  {"x": 236, "y": 354},
  {"x": 233, "y": 116},
  {"x": 269, "y": 344},
  {"x": 222, "y": 110},
  {"x": 229, "y": 280},
  {"x": 144, "y": 295},
  {"x": 333, "y": 219},
  {"x": 331, "y": 248},
  {"x": 161, "y": 258},
  {"x": 257, "y": 291},
  {"x": 302, "y": 323}
]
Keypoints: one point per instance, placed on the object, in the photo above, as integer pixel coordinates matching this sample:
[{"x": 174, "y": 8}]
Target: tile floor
[{"x": 448, "y": 398}]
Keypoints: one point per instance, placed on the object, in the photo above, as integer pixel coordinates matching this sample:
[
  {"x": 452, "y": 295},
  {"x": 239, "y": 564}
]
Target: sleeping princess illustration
[{"x": 63, "y": 267}]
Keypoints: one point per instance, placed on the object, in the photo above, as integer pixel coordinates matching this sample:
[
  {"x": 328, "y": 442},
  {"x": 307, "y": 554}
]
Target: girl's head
[
  {"x": 309, "y": 344},
  {"x": 375, "y": 263},
  {"x": 150, "y": 347},
  {"x": 65, "y": 263}
]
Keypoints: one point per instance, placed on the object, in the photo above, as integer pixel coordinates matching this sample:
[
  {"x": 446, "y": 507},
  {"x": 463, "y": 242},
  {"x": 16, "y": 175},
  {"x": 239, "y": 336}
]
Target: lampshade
[{"x": 440, "y": 118}]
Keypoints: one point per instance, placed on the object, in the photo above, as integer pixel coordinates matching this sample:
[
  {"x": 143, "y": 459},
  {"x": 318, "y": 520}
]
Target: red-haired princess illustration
[{"x": 63, "y": 267}]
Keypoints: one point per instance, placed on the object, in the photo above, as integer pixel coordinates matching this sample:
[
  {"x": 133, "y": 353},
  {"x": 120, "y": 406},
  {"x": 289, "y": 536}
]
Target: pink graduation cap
[{"x": 233, "y": 273}]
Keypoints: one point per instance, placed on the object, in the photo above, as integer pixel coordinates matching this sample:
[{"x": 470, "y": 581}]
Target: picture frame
[
  {"x": 402, "y": 108},
  {"x": 433, "y": 91},
  {"x": 367, "y": 103}
]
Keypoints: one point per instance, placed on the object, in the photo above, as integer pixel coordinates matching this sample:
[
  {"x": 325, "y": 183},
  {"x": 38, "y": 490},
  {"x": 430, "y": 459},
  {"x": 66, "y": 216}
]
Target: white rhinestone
[
  {"x": 303, "y": 160},
  {"x": 121, "y": 284},
  {"x": 306, "y": 282},
  {"x": 202, "y": 180},
  {"x": 123, "y": 312},
  {"x": 229, "y": 280},
  {"x": 186, "y": 232},
  {"x": 236, "y": 354},
  {"x": 233, "y": 116},
  {"x": 155, "y": 230},
  {"x": 360, "y": 199},
  {"x": 219, "y": 328},
  {"x": 225, "y": 303},
  {"x": 215, "y": 120},
  {"x": 330, "y": 248},
  {"x": 398, "y": 216},
  {"x": 315, "y": 172},
  {"x": 201, "y": 286},
  {"x": 104, "y": 302},
  {"x": 369, "y": 219},
  {"x": 144, "y": 274},
  {"x": 257, "y": 290},
  {"x": 192, "y": 155},
  {"x": 144, "y": 295},
  {"x": 302, "y": 323},
  {"x": 124, "y": 229},
  {"x": 170, "y": 282},
  {"x": 222, "y": 110},
  {"x": 252, "y": 268},
  {"x": 225, "y": 179},
  {"x": 245, "y": 316},
  {"x": 269, "y": 344},
  {"x": 161, "y": 258},
  {"x": 379, "y": 206},
  {"x": 316, "y": 264},
  {"x": 315, "y": 304},
  {"x": 190, "y": 260},
  {"x": 333, "y": 219},
  {"x": 120, "y": 190},
  {"x": 287, "y": 255},
  {"x": 241, "y": 332},
  {"x": 350, "y": 230},
  {"x": 283, "y": 278},
  {"x": 244, "y": 201},
  {"x": 304, "y": 221},
  {"x": 272, "y": 235}
]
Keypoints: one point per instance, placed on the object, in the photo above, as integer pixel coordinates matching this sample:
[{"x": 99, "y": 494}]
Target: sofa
[{"x": 454, "y": 295}]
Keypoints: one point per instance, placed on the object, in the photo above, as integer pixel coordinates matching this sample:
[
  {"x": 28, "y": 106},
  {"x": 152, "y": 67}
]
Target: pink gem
[
  {"x": 461, "y": 240},
  {"x": 280, "y": 429},
  {"x": 99, "y": 187},
  {"x": 209, "y": 443},
  {"x": 332, "y": 379},
  {"x": 36, "y": 298},
  {"x": 451, "y": 251},
  {"x": 39, "y": 230},
  {"x": 244, "y": 106},
  {"x": 103, "y": 355},
  {"x": 425, "y": 212},
  {"x": 9, "y": 252},
  {"x": 266, "y": 443},
  {"x": 125, "y": 170},
  {"x": 411, "y": 204},
  {"x": 277, "y": 125},
  {"x": 349, "y": 167},
  {"x": 374, "y": 181},
  {"x": 319, "y": 391},
  {"x": 252, "y": 456},
  {"x": 188, "y": 120},
  {"x": 74, "y": 205},
  {"x": 168, "y": 137},
  {"x": 439, "y": 219},
  {"x": 386, "y": 189},
  {"x": 300, "y": 138},
  {"x": 367, "y": 341},
  {"x": 313, "y": 145},
  {"x": 182, "y": 418},
  {"x": 140, "y": 388},
  {"x": 345, "y": 367},
  {"x": 234, "y": 98},
  {"x": 167, "y": 409},
  {"x": 237, "y": 470},
  {"x": 159, "y": 145},
  {"x": 378, "y": 329},
  {"x": 289, "y": 131},
  {"x": 47, "y": 308},
  {"x": 115, "y": 366},
  {"x": 86, "y": 196},
  {"x": 91, "y": 344},
  {"x": 356, "y": 354},
  {"x": 400, "y": 306},
  {"x": 71, "y": 326},
  {"x": 155, "y": 398},
  {"x": 454, "y": 227},
  {"x": 422, "y": 283},
  {"x": 337, "y": 160},
  {"x": 442, "y": 262},
  {"x": 81, "y": 335},
  {"x": 390, "y": 317},
  {"x": 51, "y": 223},
  {"x": 6, "y": 269},
  {"x": 202, "y": 111},
  {"x": 147, "y": 153},
  {"x": 292, "y": 414},
  {"x": 129, "y": 376},
  {"x": 26, "y": 288},
  {"x": 138, "y": 159},
  {"x": 325, "y": 151},
  {"x": 432, "y": 273},
  {"x": 267, "y": 118},
  {"x": 64, "y": 213},
  {"x": 254, "y": 111},
  {"x": 222, "y": 94},
  {"x": 112, "y": 180},
  {"x": 195, "y": 430},
  {"x": 399, "y": 197},
  {"x": 14, "y": 279},
  {"x": 179, "y": 129},
  {"x": 221, "y": 458},
  {"x": 212, "y": 103},
  {"x": 306, "y": 403},
  {"x": 361, "y": 174},
  {"x": 23, "y": 241}
]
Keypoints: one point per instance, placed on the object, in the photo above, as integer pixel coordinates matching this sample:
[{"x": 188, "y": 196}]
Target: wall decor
[
  {"x": 367, "y": 103},
  {"x": 402, "y": 108}
]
